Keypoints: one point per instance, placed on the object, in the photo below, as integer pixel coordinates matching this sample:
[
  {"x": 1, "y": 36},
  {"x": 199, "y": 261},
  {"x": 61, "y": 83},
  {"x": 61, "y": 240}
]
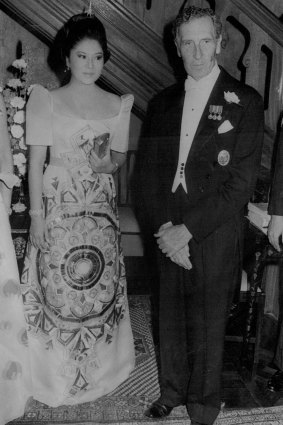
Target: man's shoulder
[{"x": 242, "y": 90}]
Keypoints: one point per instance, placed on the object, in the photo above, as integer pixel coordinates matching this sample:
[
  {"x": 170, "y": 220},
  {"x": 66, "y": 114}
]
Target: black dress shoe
[
  {"x": 275, "y": 383},
  {"x": 158, "y": 410}
]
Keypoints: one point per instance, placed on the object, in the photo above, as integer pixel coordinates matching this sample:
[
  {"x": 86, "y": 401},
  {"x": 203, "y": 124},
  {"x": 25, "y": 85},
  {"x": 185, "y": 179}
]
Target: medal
[
  {"x": 223, "y": 158},
  {"x": 215, "y": 112}
]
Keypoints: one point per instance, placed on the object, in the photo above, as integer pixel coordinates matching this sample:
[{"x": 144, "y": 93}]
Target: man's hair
[{"x": 193, "y": 12}]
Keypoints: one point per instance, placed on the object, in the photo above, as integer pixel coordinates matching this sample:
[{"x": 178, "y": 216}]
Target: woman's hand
[
  {"x": 101, "y": 165},
  {"x": 37, "y": 234}
]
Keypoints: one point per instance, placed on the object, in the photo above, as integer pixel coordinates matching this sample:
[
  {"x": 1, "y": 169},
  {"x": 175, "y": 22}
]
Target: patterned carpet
[{"x": 127, "y": 403}]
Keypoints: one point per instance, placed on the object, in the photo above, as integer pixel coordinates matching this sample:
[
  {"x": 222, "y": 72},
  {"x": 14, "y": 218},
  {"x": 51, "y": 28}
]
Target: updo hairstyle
[{"x": 80, "y": 27}]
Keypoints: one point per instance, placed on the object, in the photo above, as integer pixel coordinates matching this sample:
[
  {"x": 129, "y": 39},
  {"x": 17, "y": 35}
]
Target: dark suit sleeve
[
  {"x": 276, "y": 196},
  {"x": 218, "y": 207}
]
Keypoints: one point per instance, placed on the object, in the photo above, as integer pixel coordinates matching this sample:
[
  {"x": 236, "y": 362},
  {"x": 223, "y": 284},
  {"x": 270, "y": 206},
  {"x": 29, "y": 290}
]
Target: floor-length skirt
[{"x": 75, "y": 299}]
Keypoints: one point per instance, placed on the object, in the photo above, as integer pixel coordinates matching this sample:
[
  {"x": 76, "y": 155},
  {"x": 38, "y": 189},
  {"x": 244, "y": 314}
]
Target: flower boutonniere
[{"x": 231, "y": 97}]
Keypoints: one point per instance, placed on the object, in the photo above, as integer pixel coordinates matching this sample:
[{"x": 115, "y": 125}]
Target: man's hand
[
  {"x": 173, "y": 238},
  {"x": 275, "y": 230},
  {"x": 182, "y": 258}
]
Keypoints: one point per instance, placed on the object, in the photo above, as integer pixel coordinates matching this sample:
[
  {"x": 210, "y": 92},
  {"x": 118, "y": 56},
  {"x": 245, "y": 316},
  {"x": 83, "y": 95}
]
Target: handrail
[{"x": 262, "y": 17}]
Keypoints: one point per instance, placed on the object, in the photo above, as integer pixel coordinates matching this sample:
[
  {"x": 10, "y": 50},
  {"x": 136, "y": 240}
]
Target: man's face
[{"x": 197, "y": 45}]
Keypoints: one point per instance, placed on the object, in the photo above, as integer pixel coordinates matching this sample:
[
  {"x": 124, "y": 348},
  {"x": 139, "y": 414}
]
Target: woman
[
  {"x": 74, "y": 285},
  {"x": 14, "y": 370}
]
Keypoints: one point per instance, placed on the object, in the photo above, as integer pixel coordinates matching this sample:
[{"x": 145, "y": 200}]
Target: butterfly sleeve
[
  {"x": 38, "y": 117},
  {"x": 120, "y": 140}
]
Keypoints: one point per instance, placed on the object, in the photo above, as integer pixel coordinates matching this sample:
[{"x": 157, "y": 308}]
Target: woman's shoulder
[
  {"x": 122, "y": 100},
  {"x": 38, "y": 89},
  {"x": 127, "y": 101},
  {"x": 38, "y": 94}
]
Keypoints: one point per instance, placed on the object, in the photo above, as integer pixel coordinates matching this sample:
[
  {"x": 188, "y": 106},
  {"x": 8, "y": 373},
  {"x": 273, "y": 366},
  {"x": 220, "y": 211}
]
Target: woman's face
[{"x": 86, "y": 61}]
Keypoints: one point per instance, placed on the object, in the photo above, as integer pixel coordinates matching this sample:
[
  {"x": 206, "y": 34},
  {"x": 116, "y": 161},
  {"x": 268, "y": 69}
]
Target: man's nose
[{"x": 197, "y": 51}]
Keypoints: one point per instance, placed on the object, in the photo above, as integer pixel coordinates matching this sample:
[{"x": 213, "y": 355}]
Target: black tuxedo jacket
[{"x": 217, "y": 191}]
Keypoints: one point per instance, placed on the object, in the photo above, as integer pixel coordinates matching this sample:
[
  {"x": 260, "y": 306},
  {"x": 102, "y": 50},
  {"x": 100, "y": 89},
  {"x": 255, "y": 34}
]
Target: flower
[
  {"x": 22, "y": 169},
  {"x": 14, "y": 83},
  {"x": 15, "y": 94},
  {"x": 19, "y": 159},
  {"x": 231, "y": 97},
  {"x": 19, "y": 207},
  {"x": 18, "y": 102},
  {"x": 19, "y": 64},
  {"x": 17, "y": 131},
  {"x": 19, "y": 117},
  {"x": 22, "y": 144}
]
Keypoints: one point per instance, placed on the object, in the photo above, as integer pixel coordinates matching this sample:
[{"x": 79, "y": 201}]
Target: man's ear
[
  {"x": 218, "y": 44},
  {"x": 177, "y": 47}
]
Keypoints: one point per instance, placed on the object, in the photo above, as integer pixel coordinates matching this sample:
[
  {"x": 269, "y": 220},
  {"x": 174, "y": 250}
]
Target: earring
[{"x": 67, "y": 69}]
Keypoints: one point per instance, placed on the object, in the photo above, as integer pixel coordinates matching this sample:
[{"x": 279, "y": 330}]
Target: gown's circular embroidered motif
[{"x": 82, "y": 267}]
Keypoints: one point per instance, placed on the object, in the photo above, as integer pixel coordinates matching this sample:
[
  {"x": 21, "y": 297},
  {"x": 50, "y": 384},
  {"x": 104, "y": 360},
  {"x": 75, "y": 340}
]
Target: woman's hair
[
  {"x": 80, "y": 27},
  {"x": 193, "y": 12}
]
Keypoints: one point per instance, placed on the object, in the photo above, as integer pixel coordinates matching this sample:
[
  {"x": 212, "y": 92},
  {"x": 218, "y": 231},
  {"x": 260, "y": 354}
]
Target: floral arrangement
[{"x": 15, "y": 94}]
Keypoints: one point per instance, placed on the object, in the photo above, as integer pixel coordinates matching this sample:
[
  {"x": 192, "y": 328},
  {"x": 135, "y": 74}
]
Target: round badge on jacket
[{"x": 223, "y": 158}]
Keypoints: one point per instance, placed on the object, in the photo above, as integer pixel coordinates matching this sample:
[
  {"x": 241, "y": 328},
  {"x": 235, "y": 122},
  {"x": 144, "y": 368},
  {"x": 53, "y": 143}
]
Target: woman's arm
[
  {"x": 6, "y": 161},
  {"x": 35, "y": 177}
]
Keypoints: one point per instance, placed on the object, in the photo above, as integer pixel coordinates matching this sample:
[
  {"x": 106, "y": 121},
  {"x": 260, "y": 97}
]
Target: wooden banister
[{"x": 262, "y": 17}]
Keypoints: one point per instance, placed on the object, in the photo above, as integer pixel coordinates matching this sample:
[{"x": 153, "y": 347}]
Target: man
[
  {"x": 275, "y": 233},
  {"x": 201, "y": 152}
]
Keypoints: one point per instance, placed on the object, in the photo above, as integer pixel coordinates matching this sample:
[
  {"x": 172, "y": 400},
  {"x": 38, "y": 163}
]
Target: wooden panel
[{"x": 262, "y": 17}]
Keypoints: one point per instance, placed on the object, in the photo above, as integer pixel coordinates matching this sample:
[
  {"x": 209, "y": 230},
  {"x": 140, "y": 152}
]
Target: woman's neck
[{"x": 82, "y": 89}]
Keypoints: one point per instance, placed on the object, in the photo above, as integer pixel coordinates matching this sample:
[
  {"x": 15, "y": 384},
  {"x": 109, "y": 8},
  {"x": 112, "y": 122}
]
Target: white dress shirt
[{"x": 196, "y": 97}]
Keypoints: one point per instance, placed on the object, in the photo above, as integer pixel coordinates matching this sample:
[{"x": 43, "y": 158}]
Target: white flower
[
  {"x": 19, "y": 207},
  {"x": 19, "y": 63},
  {"x": 19, "y": 117},
  {"x": 17, "y": 131},
  {"x": 18, "y": 102},
  {"x": 22, "y": 144},
  {"x": 22, "y": 169},
  {"x": 19, "y": 159},
  {"x": 231, "y": 97},
  {"x": 30, "y": 88},
  {"x": 14, "y": 83}
]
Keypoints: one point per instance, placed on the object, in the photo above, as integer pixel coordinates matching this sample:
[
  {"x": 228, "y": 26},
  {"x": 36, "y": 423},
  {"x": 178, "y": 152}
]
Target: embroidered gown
[
  {"x": 75, "y": 295},
  {"x": 14, "y": 361}
]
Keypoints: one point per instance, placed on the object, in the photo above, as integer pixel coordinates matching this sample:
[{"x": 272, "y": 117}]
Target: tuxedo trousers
[{"x": 193, "y": 311}]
